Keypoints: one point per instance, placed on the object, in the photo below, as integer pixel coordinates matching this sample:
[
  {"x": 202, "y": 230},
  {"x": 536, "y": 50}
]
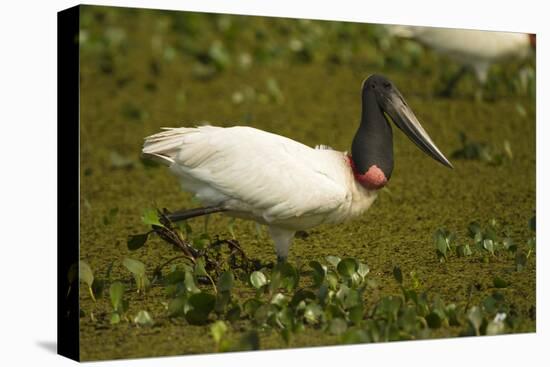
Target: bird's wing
[{"x": 274, "y": 177}]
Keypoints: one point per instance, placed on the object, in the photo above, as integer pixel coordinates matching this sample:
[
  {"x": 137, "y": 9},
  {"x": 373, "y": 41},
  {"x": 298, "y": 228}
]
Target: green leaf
[
  {"x": 280, "y": 300},
  {"x": 347, "y": 267},
  {"x": 318, "y": 273},
  {"x": 201, "y": 305},
  {"x": 258, "y": 279},
  {"x": 115, "y": 318},
  {"x": 473, "y": 229},
  {"x": 354, "y": 336},
  {"x": 333, "y": 260},
  {"x": 85, "y": 273},
  {"x": 137, "y": 241},
  {"x": 338, "y": 326},
  {"x": 143, "y": 318},
  {"x": 312, "y": 313},
  {"x": 521, "y": 261},
  {"x": 489, "y": 245},
  {"x": 116, "y": 292},
  {"x": 499, "y": 282},
  {"x": 136, "y": 267},
  {"x": 289, "y": 276},
  {"x": 433, "y": 320},
  {"x": 251, "y": 305},
  {"x": 176, "y": 307},
  {"x": 356, "y": 314},
  {"x": 397, "y": 274},
  {"x": 476, "y": 318},
  {"x": 250, "y": 341},
  {"x": 190, "y": 285},
  {"x": 301, "y": 295},
  {"x": 363, "y": 270},
  {"x": 174, "y": 277},
  {"x": 150, "y": 217},
  {"x": 225, "y": 282},
  {"x": 200, "y": 269},
  {"x": 218, "y": 330}
]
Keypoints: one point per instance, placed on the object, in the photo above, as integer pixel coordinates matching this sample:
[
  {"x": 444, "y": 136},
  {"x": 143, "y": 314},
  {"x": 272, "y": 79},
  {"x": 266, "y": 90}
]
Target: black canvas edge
[{"x": 68, "y": 192}]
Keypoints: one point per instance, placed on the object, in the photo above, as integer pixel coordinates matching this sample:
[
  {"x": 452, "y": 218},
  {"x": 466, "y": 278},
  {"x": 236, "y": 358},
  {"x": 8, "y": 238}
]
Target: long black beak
[{"x": 393, "y": 103}]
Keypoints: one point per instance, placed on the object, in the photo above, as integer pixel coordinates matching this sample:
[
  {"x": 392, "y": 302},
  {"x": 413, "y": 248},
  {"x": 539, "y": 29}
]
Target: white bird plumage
[
  {"x": 473, "y": 48},
  {"x": 261, "y": 176}
]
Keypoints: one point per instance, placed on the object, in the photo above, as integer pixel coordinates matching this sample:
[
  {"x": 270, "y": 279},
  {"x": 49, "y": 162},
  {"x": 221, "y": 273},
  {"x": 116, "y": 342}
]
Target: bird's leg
[
  {"x": 282, "y": 238},
  {"x": 451, "y": 84},
  {"x": 192, "y": 213}
]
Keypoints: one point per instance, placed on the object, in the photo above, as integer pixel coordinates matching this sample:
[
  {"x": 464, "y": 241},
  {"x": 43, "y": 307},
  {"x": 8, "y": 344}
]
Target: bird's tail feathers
[{"x": 164, "y": 146}]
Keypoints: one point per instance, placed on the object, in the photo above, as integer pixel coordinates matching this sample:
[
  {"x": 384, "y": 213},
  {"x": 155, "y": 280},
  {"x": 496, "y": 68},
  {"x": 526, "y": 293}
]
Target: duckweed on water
[{"x": 301, "y": 80}]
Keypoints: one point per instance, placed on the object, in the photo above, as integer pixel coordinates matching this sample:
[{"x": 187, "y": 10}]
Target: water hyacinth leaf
[
  {"x": 251, "y": 306},
  {"x": 136, "y": 267},
  {"x": 143, "y": 318},
  {"x": 225, "y": 282},
  {"x": 473, "y": 229},
  {"x": 312, "y": 313},
  {"x": 476, "y": 318},
  {"x": 176, "y": 307},
  {"x": 218, "y": 330},
  {"x": 174, "y": 277},
  {"x": 338, "y": 326},
  {"x": 354, "y": 336},
  {"x": 318, "y": 272},
  {"x": 150, "y": 217},
  {"x": 356, "y": 314},
  {"x": 250, "y": 341},
  {"x": 201, "y": 304},
  {"x": 258, "y": 279},
  {"x": 497, "y": 325},
  {"x": 200, "y": 269},
  {"x": 333, "y": 260},
  {"x": 363, "y": 270},
  {"x": 499, "y": 282},
  {"x": 433, "y": 320},
  {"x": 189, "y": 282},
  {"x": 85, "y": 273},
  {"x": 397, "y": 274},
  {"x": 289, "y": 276},
  {"x": 301, "y": 295},
  {"x": 115, "y": 318},
  {"x": 489, "y": 245},
  {"x": 137, "y": 241},
  {"x": 332, "y": 280},
  {"x": 521, "y": 261},
  {"x": 280, "y": 300},
  {"x": 233, "y": 313},
  {"x": 509, "y": 245},
  {"x": 116, "y": 292},
  {"x": 347, "y": 267}
]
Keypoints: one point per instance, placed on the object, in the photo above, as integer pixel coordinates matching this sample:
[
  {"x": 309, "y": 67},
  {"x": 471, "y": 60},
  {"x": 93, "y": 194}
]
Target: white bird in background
[
  {"x": 288, "y": 186},
  {"x": 474, "y": 50}
]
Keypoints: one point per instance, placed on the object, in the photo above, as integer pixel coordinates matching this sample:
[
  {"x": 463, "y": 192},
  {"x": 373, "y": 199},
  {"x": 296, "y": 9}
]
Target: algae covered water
[{"x": 142, "y": 70}]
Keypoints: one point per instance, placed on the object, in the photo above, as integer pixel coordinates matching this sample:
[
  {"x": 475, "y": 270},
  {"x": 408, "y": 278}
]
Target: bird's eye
[{"x": 373, "y": 86}]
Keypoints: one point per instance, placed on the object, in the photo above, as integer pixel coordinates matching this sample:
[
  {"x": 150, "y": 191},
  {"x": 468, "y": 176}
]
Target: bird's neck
[{"x": 372, "y": 145}]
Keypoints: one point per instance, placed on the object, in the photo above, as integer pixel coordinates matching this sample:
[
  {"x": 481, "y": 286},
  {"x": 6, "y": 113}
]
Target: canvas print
[{"x": 248, "y": 183}]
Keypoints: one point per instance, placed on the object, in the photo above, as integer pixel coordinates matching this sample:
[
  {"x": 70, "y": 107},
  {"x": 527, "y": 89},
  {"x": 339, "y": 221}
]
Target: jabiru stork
[
  {"x": 474, "y": 50},
  {"x": 288, "y": 186}
]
